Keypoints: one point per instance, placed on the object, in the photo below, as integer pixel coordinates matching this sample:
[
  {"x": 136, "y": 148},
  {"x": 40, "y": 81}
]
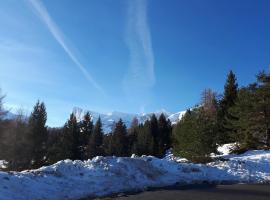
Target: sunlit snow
[{"x": 105, "y": 175}]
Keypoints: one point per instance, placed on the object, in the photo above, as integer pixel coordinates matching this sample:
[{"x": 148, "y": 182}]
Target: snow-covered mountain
[
  {"x": 109, "y": 119},
  {"x": 174, "y": 118},
  {"x": 9, "y": 115}
]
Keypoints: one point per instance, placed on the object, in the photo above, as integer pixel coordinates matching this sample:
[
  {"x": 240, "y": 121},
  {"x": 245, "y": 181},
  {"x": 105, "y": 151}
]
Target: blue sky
[{"x": 127, "y": 55}]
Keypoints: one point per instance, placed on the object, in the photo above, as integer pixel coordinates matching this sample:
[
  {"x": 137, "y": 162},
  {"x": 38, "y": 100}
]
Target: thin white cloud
[
  {"x": 45, "y": 17},
  {"x": 138, "y": 37},
  {"x": 8, "y": 45},
  {"x": 140, "y": 77}
]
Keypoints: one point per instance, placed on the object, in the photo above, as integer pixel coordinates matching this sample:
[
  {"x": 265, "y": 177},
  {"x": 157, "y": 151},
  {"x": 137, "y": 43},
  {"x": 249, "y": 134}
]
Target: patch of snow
[
  {"x": 170, "y": 157},
  {"x": 3, "y": 164},
  {"x": 174, "y": 118},
  {"x": 105, "y": 175},
  {"x": 226, "y": 148}
]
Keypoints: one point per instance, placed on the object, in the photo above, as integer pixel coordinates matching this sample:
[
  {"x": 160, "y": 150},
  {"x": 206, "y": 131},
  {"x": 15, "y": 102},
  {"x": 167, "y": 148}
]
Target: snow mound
[
  {"x": 3, "y": 164},
  {"x": 105, "y": 175},
  {"x": 226, "y": 148}
]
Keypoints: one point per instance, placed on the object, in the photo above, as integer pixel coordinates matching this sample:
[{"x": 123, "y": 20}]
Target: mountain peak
[{"x": 109, "y": 119}]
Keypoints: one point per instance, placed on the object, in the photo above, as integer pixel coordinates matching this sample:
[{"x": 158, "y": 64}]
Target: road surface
[{"x": 201, "y": 192}]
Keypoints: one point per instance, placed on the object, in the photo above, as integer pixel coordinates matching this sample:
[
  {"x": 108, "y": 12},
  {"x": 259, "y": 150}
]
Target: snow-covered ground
[{"x": 105, "y": 175}]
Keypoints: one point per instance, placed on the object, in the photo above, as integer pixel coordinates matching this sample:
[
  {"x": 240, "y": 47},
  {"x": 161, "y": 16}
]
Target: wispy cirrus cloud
[
  {"x": 141, "y": 73},
  {"x": 45, "y": 17}
]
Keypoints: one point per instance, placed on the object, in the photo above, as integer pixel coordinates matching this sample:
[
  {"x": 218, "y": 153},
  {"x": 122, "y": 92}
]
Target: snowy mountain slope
[
  {"x": 9, "y": 115},
  {"x": 174, "y": 118},
  {"x": 105, "y": 175},
  {"x": 109, "y": 119}
]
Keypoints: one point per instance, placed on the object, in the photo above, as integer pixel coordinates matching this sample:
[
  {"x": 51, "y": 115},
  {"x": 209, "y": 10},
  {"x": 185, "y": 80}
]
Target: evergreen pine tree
[
  {"x": 119, "y": 139},
  {"x": 155, "y": 135},
  {"x": 195, "y": 134},
  {"x": 244, "y": 119},
  {"x": 96, "y": 141},
  {"x": 184, "y": 134},
  {"x": 86, "y": 129},
  {"x": 56, "y": 146},
  {"x": 132, "y": 135},
  {"x": 225, "y": 130},
  {"x": 70, "y": 140},
  {"x": 263, "y": 105},
  {"x": 230, "y": 92},
  {"x": 251, "y": 112},
  {"x": 108, "y": 144},
  {"x": 164, "y": 126},
  {"x": 193, "y": 137},
  {"x": 144, "y": 144},
  {"x": 38, "y": 134}
]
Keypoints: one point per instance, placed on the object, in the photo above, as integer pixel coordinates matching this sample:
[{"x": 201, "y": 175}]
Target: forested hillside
[{"x": 240, "y": 115}]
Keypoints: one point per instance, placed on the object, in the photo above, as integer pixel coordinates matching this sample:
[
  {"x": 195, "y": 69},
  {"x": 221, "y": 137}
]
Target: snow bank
[
  {"x": 226, "y": 148},
  {"x": 105, "y": 175},
  {"x": 3, "y": 164}
]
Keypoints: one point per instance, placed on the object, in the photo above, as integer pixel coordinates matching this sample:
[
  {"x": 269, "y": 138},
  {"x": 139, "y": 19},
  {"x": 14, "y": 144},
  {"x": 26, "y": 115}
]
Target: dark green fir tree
[{"x": 95, "y": 147}]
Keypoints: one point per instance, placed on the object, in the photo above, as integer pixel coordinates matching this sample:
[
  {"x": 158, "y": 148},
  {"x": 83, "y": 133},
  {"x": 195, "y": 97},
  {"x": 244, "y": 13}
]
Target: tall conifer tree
[
  {"x": 120, "y": 142},
  {"x": 144, "y": 144},
  {"x": 86, "y": 129},
  {"x": 164, "y": 126},
  {"x": 96, "y": 141},
  {"x": 155, "y": 134},
  {"x": 225, "y": 130},
  {"x": 71, "y": 145},
  {"x": 244, "y": 118},
  {"x": 263, "y": 105},
  {"x": 38, "y": 134}
]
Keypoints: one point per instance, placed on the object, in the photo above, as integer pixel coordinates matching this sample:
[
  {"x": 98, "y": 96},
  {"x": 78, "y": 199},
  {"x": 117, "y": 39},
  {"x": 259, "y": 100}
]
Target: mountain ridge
[{"x": 110, "y": 118}]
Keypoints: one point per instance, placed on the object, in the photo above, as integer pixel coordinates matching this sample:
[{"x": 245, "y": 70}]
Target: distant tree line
[
  {"x": 27, "y": 143},
  {"x": 240, "y": 115}
]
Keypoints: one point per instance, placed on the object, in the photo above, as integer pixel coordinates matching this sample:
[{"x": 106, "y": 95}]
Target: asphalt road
[{"x": 202, "y": 192}]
